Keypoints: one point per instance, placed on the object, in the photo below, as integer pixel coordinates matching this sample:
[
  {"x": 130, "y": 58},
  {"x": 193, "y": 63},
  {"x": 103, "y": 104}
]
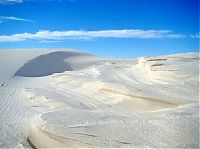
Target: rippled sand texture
[{"x": 73, "y": 99}]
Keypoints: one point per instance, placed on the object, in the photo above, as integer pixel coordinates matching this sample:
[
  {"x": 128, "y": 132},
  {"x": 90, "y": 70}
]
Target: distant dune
[
  {"x": 66, "y": 98},
  {"x": 49, "y": 64}
]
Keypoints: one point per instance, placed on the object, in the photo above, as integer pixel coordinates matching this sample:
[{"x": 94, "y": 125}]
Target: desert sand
[{"x": 66, "y": 98}]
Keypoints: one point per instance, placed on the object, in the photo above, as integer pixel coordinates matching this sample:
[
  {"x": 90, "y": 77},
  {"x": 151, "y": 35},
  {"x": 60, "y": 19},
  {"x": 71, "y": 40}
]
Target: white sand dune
[
  {"x": 51, "y": 63},
  {"x": 73, "y": 99}
]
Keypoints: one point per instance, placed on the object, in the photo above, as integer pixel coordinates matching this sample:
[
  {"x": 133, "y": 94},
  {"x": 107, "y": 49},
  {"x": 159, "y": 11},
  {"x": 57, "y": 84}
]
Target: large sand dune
[
  {"x": 73, "y": 99},
  {"x": 51, "y": 63}
]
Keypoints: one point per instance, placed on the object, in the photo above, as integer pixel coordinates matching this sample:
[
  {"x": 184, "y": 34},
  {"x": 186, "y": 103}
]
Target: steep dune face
[
  {"x": 72, "y": 99},
  {"x": 50, "y": 63},
  {"x": 12, "y": 60}
]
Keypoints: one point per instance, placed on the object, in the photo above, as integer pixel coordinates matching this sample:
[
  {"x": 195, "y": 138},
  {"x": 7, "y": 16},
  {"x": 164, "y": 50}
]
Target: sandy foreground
[{"x": 51, "y": 98}]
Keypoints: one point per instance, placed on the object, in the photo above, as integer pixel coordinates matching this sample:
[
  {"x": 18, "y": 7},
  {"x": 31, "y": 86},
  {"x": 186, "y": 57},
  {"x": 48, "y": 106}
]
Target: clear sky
[{"x": 113, "y": 28}]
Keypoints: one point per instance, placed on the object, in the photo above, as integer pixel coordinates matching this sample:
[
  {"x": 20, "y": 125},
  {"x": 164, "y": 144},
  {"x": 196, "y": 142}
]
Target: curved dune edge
[
  {"x": 41, "y": 138},
  {"x": 168, "y": 104},
  {"x": 38, "y": 138}
]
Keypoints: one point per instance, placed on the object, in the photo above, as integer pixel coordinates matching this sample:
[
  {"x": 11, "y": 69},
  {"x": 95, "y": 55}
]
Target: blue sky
[{"x": 113, "y": 28}]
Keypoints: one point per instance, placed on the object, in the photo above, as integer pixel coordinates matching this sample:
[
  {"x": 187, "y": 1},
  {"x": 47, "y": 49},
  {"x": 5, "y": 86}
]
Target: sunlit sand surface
[{"x": 72, "y": 99}]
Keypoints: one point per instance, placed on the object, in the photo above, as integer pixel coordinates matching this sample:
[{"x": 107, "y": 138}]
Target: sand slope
[
  {"x": 51, "y": 63},
  {"x": 73, "y": 99}
]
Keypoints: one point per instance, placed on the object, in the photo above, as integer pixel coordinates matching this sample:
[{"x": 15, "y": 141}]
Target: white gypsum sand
[{"x": 73, "y": 99}]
